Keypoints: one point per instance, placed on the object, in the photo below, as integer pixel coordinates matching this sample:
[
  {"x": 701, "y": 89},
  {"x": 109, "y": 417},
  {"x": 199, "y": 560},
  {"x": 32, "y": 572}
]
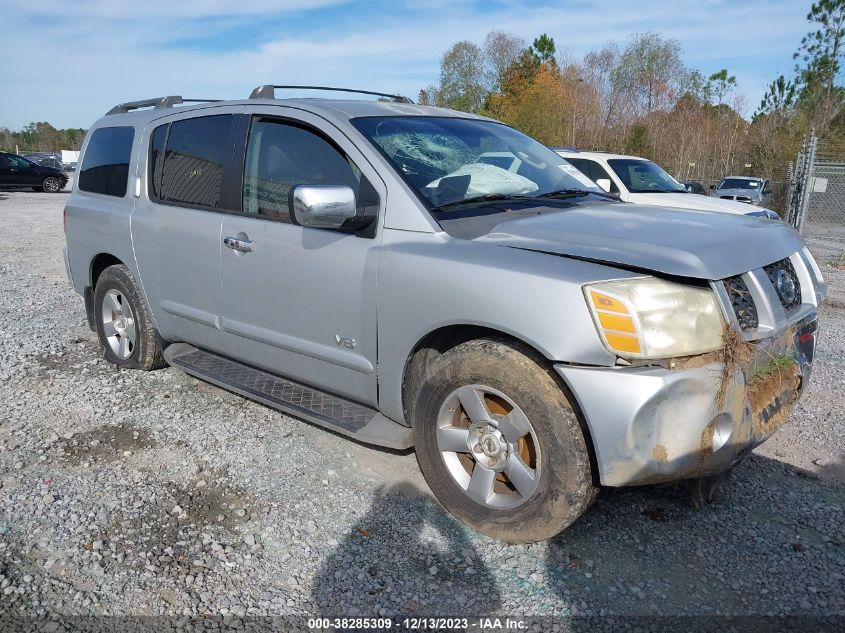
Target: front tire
[
  {"x": 123, "y": 322},
  {"x": 51, "y": 184},
  {"x": 499, "y": 444}
]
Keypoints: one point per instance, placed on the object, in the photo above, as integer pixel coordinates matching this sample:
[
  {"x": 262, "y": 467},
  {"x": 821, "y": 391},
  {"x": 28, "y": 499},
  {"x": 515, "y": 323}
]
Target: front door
[
  {"x": 18, "y": 172},
  {"x": 176, "y": 228},
  {"x": 301, "y": 301},
  {"x": 5, "y": 170}
]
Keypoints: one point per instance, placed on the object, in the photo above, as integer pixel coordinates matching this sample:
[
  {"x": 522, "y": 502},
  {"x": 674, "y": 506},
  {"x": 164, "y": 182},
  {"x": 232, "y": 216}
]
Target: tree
[
  {"x": 779, "y": 97},
  {"x": 637, "y": 142},
  {"x": 653, "y": 72},
  {"x": 501, "y": 50},
  {"x": 721, "y": 84},
  {"x": 462, "y": 78},
  {"x": 543, "y": 49},
  {"x": 821, "y": 50},
  {"x": 537, "y": 104},
  {"x": 821, "y": 54}
]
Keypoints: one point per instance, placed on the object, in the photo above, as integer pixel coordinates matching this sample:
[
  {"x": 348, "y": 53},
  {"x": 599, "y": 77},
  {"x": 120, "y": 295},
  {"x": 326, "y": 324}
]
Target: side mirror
[
  {"x": 712, "y": 187},
  {"x": 323, "y": 206},
  {"x": 604, "y": 183}
]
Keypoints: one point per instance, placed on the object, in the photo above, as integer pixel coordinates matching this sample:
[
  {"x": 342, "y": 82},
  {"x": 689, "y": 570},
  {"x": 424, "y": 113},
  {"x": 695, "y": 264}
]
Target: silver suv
[{"x": 411, "y": 276}]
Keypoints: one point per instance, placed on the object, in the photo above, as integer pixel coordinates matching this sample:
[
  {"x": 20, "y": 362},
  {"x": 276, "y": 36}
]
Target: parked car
[
  {"x": 693, "y": 186},
  {"x": 46, "y": 161},
  {"x": 388, "y": 271},
  {"x": 756, "y": 191},
  {"x": 642, "y": 181},
  {"x": 17, "y": 171}
]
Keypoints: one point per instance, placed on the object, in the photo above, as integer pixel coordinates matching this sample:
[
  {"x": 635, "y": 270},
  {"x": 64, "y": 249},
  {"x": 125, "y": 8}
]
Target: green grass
[{"x": 774, "y": 366}]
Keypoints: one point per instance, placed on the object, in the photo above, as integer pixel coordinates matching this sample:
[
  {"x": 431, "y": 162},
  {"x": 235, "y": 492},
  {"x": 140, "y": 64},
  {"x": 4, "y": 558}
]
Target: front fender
[{"x": 430, "y": 281}]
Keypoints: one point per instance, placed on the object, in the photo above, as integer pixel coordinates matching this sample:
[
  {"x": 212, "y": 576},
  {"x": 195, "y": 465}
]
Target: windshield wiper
[
  {"x": 490, "y": 197},
  {"x": 571, "y": 193}
]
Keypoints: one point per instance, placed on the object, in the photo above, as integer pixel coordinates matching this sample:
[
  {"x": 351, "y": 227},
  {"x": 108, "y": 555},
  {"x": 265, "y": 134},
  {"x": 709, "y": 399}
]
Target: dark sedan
[{"x": 17, "y": 171}]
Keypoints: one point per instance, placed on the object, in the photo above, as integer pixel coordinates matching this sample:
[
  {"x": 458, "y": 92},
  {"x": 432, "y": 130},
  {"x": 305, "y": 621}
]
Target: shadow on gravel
[
  {"x": 773, "y": 544},
  {"x": 406, "y": 557}
]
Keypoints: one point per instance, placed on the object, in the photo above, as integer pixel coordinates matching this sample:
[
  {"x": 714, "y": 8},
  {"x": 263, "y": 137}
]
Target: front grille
[
  {"x": 785, "y": 281},
  {"x": 742, "y": 303}
]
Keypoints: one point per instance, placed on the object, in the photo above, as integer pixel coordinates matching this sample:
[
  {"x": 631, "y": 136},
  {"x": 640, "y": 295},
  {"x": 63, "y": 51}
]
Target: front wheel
[
  {"x": 123, "y": 321},
  {"x": 51, "y": 184},
  {"x": 499, "y": 443}
]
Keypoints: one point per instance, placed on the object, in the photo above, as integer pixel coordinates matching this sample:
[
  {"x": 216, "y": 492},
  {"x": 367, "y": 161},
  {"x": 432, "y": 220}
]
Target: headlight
[{"x": 652, "y": 318}]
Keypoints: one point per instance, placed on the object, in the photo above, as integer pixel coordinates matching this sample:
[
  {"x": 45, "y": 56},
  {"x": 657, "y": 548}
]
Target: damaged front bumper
[{"x": 656, "y": 424}]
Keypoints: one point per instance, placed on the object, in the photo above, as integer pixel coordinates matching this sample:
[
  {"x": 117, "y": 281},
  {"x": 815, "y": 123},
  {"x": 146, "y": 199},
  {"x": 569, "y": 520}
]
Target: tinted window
[
  {"x": 281, "y": 156},
  {"x": 157, "y": 159},
  {"x": 105, "y": 168},
  {"x": 197, "y": 150},
  {"x": 593, "y": 171},
  {"x": 14, "y": 162}
]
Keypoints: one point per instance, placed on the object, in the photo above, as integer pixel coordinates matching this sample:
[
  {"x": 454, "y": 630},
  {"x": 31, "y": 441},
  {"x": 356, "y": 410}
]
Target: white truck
[{"x": 641, "y": 181}]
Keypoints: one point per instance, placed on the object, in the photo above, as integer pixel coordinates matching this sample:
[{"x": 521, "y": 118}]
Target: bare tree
[{"x": 501, "y": 50}]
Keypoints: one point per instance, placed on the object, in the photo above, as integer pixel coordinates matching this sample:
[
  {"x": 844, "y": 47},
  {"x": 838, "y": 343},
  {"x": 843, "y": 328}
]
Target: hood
[
  {"x": 685, "y": 243},
  {"x": 754, "y": 194},
  {"x": 691, "y": 201}
]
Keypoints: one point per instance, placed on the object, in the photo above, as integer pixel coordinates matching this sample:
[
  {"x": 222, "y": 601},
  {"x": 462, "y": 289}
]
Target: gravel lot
[{"x": 155, "y": 494}]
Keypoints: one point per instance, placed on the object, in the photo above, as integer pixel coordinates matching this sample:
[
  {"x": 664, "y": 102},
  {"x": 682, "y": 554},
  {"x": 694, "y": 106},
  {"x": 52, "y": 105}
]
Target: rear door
[
  {"x": 176, "y": 227},
  {"x": 303, "y": 302}
]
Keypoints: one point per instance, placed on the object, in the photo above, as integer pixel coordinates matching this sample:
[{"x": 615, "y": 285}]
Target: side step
[{"x": 332, "y": 412}]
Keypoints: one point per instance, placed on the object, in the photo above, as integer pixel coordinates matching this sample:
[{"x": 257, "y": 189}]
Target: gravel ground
[{"x": 155, "y": 494}]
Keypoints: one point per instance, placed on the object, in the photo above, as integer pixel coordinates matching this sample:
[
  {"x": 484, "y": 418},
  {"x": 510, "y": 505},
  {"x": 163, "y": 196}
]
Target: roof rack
[
  {"x": 157, "y": 103},
  {"x": 269, "y": 92}
]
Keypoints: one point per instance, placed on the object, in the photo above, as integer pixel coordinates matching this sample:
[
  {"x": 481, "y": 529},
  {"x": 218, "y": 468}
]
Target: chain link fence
[{"x": 816, "y": 197}]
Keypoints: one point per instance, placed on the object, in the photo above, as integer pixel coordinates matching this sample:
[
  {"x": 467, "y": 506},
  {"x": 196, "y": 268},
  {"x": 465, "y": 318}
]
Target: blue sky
[{"x": 68, "y": 62}]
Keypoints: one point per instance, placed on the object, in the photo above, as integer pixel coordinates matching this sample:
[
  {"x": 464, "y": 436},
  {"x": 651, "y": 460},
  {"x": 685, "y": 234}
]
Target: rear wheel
[
  {"x": 123, "y": 321},
  {"x": 499, "y": 444},
  {"x": 51, "y": 184}
]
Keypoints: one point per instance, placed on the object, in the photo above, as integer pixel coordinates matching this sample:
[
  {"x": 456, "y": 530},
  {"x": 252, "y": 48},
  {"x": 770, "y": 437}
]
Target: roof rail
[
  {"x": 269, "y": 92},
  {"x": 157, "y": 103}
]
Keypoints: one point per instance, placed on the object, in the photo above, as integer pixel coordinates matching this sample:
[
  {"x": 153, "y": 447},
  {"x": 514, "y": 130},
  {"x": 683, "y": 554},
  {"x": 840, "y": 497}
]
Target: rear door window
[
  {"x": 105, "y": 168},
  {"x": 197, "y": 150}
]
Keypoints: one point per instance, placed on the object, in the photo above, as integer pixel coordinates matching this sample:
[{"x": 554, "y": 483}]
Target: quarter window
[
  {"x": 191, "y": 172},
  {"x": 280, "y": 156},
  {"x": 105, "y": 168}
]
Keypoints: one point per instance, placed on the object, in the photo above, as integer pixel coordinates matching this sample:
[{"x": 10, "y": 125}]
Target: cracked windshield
[{"x": 449, "y": 161}]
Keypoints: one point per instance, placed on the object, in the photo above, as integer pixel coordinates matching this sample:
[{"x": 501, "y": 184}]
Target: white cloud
[{"x": 69, "y": 70}]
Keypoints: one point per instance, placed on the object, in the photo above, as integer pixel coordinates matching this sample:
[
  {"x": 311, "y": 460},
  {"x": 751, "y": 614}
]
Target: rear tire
[
  {"x": 51, "y": 184},
  {"x": 122, "y": 321},
  {"x": 499, "y": 443}
]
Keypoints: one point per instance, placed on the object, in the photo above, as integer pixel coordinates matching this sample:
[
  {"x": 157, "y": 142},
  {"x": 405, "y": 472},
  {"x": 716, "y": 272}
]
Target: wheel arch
[
  {"x": 99, "y": 263},
  {"x": 444, "y": 338}
]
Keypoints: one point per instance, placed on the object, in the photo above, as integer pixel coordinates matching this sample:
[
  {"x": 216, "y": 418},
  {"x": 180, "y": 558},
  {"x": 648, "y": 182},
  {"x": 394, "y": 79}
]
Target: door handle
[{"x": 236, "y": 244}]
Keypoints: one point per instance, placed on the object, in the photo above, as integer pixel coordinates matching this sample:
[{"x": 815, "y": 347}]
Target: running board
[{"x": 332, "y": 412}]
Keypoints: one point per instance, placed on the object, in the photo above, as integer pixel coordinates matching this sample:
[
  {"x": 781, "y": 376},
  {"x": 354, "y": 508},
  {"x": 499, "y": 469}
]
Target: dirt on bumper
[{"x": 696, "y": 418}]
